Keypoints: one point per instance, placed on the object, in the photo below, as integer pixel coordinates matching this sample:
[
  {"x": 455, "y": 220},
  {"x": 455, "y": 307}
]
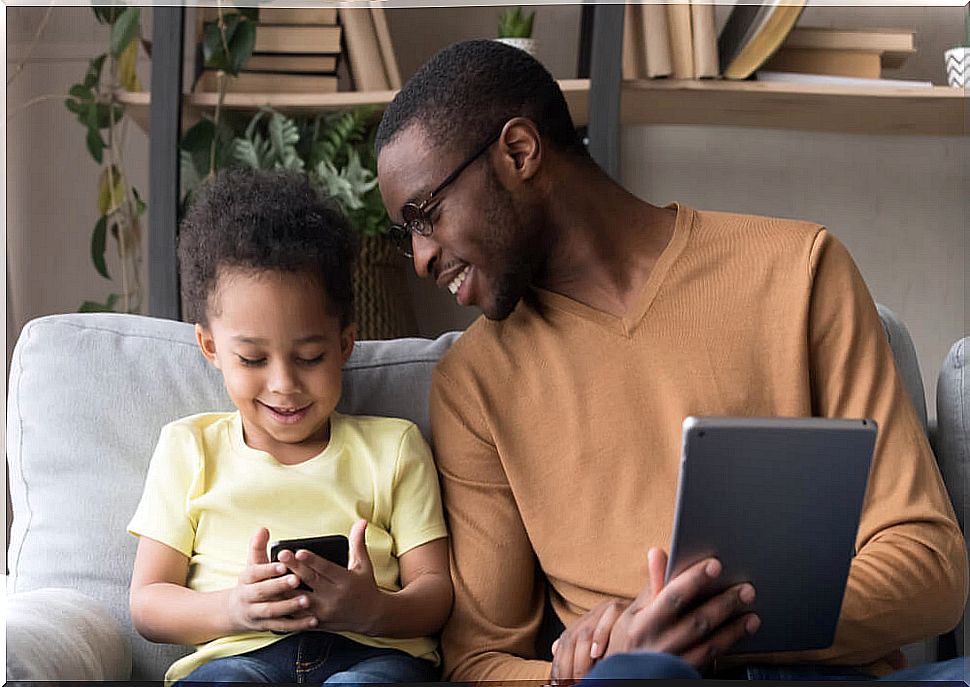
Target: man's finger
[
  {"x": 683, "y": 592},
  {"x": 257, "y": 547},
  {"x": 722, "y": 640},
  {"x": 698, "y": 626},
  {"x": 582, "y": 654},
  {"x": 657, "y": 568}
]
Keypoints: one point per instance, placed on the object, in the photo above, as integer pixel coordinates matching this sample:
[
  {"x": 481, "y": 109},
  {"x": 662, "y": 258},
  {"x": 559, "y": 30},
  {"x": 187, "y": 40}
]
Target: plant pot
[
  {"x": 381, "y": 296},
  {"x": 528, "y": 44},
  {"x": 956, "y": 61}
]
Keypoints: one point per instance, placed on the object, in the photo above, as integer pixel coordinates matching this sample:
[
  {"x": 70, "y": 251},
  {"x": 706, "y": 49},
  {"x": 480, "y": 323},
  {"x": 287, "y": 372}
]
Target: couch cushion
[
  {"x": 88, "y": 395},
  {"x": 953, "y": 445}
]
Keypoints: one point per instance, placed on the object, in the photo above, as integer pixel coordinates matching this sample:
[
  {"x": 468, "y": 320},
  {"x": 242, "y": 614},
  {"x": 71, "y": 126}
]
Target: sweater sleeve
[
  {"x": 498, "y": 594},
  {"x": 908, "y": 580}
]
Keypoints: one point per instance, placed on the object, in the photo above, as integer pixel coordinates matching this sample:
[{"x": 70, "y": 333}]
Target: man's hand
[
  {"x": 584, "y": 642},
  {"x": 342, "y": 599},
  {"x": 678, "y": 620},
  {"x": 265, "y": 599}
]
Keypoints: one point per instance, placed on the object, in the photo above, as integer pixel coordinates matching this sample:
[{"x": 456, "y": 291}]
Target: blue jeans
[
  {"x": 656, "y": 666},
  {"x": 316, "y": 658}
]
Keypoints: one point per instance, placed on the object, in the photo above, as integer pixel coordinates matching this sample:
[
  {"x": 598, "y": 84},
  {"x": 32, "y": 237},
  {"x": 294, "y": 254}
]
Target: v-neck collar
[{"x": 625, "y": 325}]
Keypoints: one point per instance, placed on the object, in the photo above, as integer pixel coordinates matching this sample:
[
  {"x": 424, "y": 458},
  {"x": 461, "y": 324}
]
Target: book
[
  {"x": 656, "y": 54},
  {"x": 363, "y": 50},
  {"x": 864, "y": 64},
  {"x": 681, "y": 41},
  {"x": 704, "y": 40},
  {"x": 383, "y": 32},
  {"x": 293, "y": 38},
  {"x": 281, "y": 15},
  {"x": 852, "y": 39},
  {"x": 829, "y": 80},
  {"x": 268, "y": 82},
  {"x": 753, "y": 33},
  {"x": 321, "y": 64}
]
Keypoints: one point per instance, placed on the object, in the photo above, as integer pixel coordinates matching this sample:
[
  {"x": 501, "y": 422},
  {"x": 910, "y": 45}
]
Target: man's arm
[
  {"x": 498, "y": 599},
  {"x": 908, "y": 580}
]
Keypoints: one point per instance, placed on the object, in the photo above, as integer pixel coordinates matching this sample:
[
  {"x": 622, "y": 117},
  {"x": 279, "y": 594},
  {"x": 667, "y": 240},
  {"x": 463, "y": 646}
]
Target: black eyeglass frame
[{"x": 416, "y": 219}]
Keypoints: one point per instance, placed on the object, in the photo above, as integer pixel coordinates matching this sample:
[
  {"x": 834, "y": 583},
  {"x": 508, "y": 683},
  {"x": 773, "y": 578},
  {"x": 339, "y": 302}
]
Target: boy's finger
[
  {"x": 257, "y": 547},
  {"x": 264, "y": 571},
  {"x": 358, "y": 556}
]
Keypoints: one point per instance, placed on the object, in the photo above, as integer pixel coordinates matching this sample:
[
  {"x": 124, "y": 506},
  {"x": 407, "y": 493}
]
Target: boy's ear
[
  {"x": 347, "y": 338},
  {"x": 207, "y": 344}
]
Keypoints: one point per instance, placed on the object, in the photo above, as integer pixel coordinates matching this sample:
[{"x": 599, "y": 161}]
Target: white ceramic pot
[
  {"x": 527, "y": 44},
  {"x": 957, "y": 64}
]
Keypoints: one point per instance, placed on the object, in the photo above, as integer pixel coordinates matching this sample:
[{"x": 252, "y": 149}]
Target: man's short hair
[
  {"x": 468, "y": 91},
  {"x": 258, "y": 221}
]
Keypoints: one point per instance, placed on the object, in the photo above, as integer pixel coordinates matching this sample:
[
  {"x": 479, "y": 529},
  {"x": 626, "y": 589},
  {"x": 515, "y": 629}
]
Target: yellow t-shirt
[{"x": 207, "y": 492}]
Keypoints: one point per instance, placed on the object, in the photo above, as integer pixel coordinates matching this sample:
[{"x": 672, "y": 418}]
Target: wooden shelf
[{"x": 940, "y": 110}]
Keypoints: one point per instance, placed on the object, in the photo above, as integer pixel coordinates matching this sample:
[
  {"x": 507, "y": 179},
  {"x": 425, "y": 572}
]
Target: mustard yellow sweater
[{"x": 557, "y": 434}]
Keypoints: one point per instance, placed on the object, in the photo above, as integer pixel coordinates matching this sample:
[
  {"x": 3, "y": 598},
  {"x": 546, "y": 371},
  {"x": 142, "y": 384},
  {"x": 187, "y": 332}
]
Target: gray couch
[{"x": 88, "y": 395}]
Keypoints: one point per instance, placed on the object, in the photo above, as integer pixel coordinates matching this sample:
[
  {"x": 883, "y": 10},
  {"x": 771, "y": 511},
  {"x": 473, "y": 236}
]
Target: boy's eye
[
  {"x": 310, "y": 361},
  {"x": 251, "y": 362}
]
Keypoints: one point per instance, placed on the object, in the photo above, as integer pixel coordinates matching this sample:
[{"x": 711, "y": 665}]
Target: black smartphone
[{"x": 332, "y": 547}]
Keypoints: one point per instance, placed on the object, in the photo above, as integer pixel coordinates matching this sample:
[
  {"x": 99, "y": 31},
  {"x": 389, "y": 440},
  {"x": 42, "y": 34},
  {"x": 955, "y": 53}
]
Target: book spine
[
  {"x": 678, "y": 19},
  {"x": 363, "y": 52},
  {"x": 704, "y": 40},
  {"x": 383, "y": 31},
  {"x": 631, "y": 31},
  {"x": 658, "y": 59}
]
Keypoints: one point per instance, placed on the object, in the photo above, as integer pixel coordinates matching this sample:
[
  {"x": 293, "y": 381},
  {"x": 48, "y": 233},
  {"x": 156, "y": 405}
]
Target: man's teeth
[{"x": 457, "y": 281}]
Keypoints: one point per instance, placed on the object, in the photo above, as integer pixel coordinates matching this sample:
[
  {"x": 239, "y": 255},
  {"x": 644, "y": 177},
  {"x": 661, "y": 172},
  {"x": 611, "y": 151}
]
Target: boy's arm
[
  {"x": 423, "y": 603},
  {"x": 163, "y": 609}
]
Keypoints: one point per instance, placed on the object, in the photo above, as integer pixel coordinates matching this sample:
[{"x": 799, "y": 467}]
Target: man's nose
[{"x": 425, "y": 254}]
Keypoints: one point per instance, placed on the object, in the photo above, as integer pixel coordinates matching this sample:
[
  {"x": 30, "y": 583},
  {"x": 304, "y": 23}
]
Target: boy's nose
[{"x": 283, "y": 380}]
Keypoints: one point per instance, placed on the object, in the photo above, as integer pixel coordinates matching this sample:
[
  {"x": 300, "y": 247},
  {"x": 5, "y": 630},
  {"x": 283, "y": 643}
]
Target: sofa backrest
[
  {"x": 88, "y": 396},
  {"x": 953, "y": 448}
]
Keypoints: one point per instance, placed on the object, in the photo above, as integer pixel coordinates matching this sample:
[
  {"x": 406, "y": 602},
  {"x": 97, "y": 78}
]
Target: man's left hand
[{"x": 584, "y": 643}]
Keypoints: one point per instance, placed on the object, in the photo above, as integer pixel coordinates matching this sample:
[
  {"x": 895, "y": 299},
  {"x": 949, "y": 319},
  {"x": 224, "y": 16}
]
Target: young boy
[{"x": 266, "y": 265}]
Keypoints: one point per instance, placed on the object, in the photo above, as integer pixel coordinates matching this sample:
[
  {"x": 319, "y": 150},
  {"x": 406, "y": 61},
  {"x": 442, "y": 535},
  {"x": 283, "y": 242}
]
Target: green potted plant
[
  {"x": 957, "y": 60},
  {"x": 515, "y": 29}
]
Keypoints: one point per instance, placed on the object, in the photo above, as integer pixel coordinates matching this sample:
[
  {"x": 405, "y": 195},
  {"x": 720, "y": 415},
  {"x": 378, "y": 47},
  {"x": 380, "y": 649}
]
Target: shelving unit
[
  {"x": 936, "y": 111},
  {"x": 601, "y": 102}
]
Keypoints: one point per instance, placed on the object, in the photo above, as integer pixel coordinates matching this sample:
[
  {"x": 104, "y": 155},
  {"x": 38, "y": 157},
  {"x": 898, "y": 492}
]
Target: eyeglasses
[{"x": 416, "y": 219}]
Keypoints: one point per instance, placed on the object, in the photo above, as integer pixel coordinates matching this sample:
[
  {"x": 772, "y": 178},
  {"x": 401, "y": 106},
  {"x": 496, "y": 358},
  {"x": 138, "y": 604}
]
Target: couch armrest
[{"x": 62, "y": 634}]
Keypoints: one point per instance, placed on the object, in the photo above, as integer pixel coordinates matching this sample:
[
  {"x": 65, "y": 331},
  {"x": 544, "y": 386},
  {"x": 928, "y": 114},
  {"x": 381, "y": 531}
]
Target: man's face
[{"x": 481, "y": 248}]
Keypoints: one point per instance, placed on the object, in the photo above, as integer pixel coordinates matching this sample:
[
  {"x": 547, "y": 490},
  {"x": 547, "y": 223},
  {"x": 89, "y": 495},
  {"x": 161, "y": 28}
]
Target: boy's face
[{"x": 280, "y": 349}]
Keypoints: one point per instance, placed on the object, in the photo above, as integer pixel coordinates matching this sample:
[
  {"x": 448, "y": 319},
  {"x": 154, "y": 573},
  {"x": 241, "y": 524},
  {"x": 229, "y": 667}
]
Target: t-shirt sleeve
[
  {"x": 163, "y": 514},
  {"x": 416, "y": 516}
]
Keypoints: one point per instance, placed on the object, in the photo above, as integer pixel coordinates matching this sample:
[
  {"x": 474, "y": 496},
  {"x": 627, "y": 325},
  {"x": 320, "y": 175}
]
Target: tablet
[{"x": 777, "y": 501}]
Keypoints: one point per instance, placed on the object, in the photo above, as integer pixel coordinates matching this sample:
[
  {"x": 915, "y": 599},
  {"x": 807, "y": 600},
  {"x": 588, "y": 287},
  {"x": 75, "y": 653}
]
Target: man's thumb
[{"x": 358, "y": 557}]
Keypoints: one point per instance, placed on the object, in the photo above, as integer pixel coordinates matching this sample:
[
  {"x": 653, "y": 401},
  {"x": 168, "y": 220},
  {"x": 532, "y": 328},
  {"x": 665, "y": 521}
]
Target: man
[{"x": 557, "y": 417}]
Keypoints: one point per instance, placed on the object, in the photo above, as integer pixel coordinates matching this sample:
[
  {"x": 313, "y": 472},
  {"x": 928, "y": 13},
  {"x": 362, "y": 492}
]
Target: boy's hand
[
  {"x": 265, "y": 598},
  {"x": 341, "y": 599}
]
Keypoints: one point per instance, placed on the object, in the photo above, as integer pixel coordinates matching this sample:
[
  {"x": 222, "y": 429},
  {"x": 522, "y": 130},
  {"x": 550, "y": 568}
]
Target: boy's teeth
[{"x": 457, "y": 281}]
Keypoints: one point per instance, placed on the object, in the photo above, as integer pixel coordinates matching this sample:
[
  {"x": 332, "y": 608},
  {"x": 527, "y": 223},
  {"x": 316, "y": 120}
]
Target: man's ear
[
  {"x": 347, "y": 338},
  {"x": 521, "y": 145},
  {"x": 207, "y": 344}
]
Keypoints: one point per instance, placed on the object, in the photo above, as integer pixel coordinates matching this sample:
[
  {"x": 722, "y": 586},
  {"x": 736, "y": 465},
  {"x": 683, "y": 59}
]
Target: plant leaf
[
  {"x": 139, "y": 203},
  {"x": 98, "y": 244},
  {"x": 199, "y": 137},
  {"x": 94, "y": 142},
  {"x": 81, "y": 92},
  {"x": 213, "y": 51},
  {"x": 126, "y": 68},
  {"x": 124, "y": 30},
  {"x": 93, "y": 75},
  {"x": 106, "y": 202},
  {"x": 241, "y": 46}
]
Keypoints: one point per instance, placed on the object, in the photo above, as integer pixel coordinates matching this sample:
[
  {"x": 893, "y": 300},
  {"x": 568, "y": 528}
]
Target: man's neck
[{"x": 606, "y": 243}]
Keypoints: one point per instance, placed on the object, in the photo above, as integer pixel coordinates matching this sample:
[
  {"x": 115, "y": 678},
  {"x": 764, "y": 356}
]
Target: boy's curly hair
[{"x": 264, "y": 221}]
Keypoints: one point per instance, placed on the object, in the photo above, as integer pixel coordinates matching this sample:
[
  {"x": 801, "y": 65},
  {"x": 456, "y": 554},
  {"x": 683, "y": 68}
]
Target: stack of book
[
  {"x": 299, "y": 50},
  {"x": 840, "y": 52}
]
